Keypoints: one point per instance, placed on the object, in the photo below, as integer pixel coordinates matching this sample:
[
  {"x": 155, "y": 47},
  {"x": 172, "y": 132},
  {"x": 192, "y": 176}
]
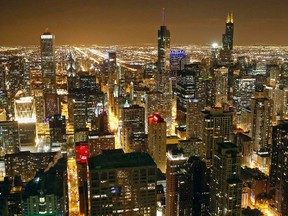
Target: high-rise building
[
  {"x": 133, "y": 129},
  {"x": 279, "y": 168},
  {"x": 126, "y": 183},
  {"x": 153, "y": 104},
  {"x": 47, "y": 50},
  {"x": 25, "y": 164},
  {"x": 175, "y": 161},
  {"x": 52, "y": 105},
  {"x": 226, "y": 186},
  {"x": 284, "y": 74},
  {"x": 206, "y": 91},
  {"x": 57, "y": 126},
  {"x": 25, "y": 110},
  {"x": 187, "y": 81},
  {"x": 227, "y": 41},
  {"x": 261, "y": 130},
  {"x": 100, "y": 141},
  {"x": 272, "y": 74},
  {"x": 9, "y": 137},
  {"x": 193, "y": 190},
  {"x": 221, "y": 78},
  {"x": 178, "y": 59},
  {"x": 11, "y": 190},
  {"x": 47, "y": 192},
  {"x": 217, "y": 127},
  {"x": 194, "y": 119},
  {"x": 163, "y": 74},
  {"x": 157, "y": 140},
  {"x": 243, "y": 91}
]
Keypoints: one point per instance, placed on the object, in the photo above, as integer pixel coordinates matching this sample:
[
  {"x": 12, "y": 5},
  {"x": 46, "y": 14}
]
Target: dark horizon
[{"x": 130, "y": 22}]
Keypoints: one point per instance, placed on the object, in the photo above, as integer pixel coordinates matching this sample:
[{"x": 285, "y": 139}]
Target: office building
[
  {"x": 261, "y": 130},
  {"x": 217, "y": 127},
  {"x": 226, "y": 186},
  {"x": 243, "y": 91},
  {"x": 162, "y": 76},
  {"x": 279, "y": 168},
  {"x": 194, "y": 119},
  {"x": 193, "y": 189},
  {"x": 133, "y": 129},
  {"x": 9, "y": 138},
  {"x": 57, "y": 127},
  {"x": 47, "y": 192},
  {"x": 26, "y": 164},
  {"x": 175, "y": 160},
  {"x": 187, "y": 81},
  {"x": 157, "y": 140},
  {"x": 122, "y": 184},
  {"x": 47, "y": 51},
  {"x": 221, "y": 78},
  {"x": 227, "y": 41}
]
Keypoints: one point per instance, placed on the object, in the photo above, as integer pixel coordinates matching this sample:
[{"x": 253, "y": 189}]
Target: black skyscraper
[{"x": 227, "y": 39}]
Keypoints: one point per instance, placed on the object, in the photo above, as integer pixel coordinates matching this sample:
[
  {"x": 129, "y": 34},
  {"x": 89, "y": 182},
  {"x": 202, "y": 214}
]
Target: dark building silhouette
[
  {"x": 279, "y": 168},
  {"x": 193, "y": 190}
]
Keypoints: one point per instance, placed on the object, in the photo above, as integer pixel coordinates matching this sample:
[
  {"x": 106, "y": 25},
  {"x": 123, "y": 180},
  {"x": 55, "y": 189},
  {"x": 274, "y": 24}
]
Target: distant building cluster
[{"x": 87, "y": 131}]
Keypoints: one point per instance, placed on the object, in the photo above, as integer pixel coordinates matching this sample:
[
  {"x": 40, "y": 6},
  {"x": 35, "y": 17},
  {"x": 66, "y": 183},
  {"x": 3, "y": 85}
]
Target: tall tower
[
  {"x": 175, "y": 161},
  {"x": 157, "y": 140},
  {"x": 217, "y": 127},
  {"x": 193, "y": 191},
  {"x": 133, "y": 136},
  {"x": 227, "y": 38},
  {"x": 187, "y": 81},
  {"x": 261, "y": 128},
  {"x": 226, "y": 186},
  {"x": 227, "y": 41},
  {"x": 48, "y": 60},
  {"x": 279, "y": 167},
  {"x": 162, "y": 77}
]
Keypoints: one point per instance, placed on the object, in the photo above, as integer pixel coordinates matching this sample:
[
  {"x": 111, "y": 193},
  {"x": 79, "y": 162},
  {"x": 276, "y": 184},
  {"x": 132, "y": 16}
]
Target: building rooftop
[{"x": 115, "y": 160}]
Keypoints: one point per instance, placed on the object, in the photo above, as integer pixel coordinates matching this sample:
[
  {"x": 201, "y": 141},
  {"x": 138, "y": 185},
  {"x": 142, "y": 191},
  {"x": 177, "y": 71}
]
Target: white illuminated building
[{"x": 25, "y": 110}]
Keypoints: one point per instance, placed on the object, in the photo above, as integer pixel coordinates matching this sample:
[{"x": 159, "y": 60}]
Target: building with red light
[{"x": 157, "y": 140}]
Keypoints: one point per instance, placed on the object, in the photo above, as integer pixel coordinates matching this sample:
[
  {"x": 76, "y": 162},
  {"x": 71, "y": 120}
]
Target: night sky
[{"x": 108, "y": 22}]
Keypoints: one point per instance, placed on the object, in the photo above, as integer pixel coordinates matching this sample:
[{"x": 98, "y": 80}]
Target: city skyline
[{"x": 91, "y": 22}]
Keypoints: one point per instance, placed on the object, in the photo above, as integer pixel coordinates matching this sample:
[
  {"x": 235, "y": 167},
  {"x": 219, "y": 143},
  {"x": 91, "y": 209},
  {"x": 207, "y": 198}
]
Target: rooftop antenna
[{"x": 163, "y": 17}]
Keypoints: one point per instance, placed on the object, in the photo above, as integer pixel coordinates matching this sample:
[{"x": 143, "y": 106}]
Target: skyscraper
[
  {"x": 193, "y": 191},
  {"x": 226, "y": 186},
  {"x": 187, "y": 81},
  {"x": 261, "y": 127},
  {"x": 133, "y": 128},
  {"x": 217, "y": 127},
  {"x": 175, "y": 160},
  {"x": 227, "y": 41},
  {"x": 162, "y": 77},
  {"x": 48, "y": 60},
  {"x": 157, "y": 140},
  {"x": 227, "y": 38},
  {"x": 122, "y": 184},
  {"x": 279, "y": 167}
]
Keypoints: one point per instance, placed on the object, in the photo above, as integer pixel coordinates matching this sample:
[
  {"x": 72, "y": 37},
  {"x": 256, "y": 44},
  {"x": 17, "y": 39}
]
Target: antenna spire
[{"x": 163, "y": 17}]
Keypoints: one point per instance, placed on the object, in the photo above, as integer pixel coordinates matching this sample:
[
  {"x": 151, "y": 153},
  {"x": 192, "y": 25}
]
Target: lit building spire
[
  {"x": 229, "y": 17},
  {"x": 163, "y": 17}
]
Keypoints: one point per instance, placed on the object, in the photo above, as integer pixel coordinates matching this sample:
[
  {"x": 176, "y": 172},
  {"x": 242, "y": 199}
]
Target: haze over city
[{"x": 133, "y": 21}]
